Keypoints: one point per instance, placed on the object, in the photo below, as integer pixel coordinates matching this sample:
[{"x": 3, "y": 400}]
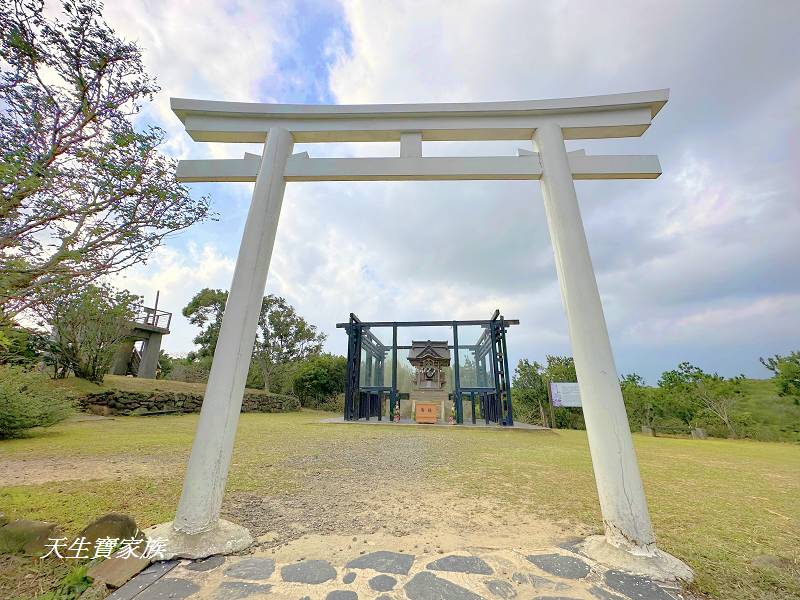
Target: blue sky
[{"x": 698, "y": 265}]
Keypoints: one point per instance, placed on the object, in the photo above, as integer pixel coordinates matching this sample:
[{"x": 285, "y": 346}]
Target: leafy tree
[
  {"x": 718, "y": 395},
  {"x": 787, "y": 374},
  {"x": 20, "y": 345},
  {"x": 320, "y": 378},
  {"x": 82, "y": 193},
  {"x": 87, "y": 326},
  {"x": 165, "y": 364},
  {"x": 529, "y": 389},
  {"x": 27, "y": 400},
  {"x": 641, "y": 403},
  {"x": 192, "y": 369},
  {"x": 690, "y": 392},
  {"x": 561, "y": 368},
  {"x": 205, "y": 310},
  {"x": 678, "y": 393},
  {"x": 282, "y": 337}
]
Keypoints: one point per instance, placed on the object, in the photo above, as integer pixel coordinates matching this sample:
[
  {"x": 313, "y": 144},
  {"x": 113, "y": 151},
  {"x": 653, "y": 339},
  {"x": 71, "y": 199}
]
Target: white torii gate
[{"x": 197, "y": 530}]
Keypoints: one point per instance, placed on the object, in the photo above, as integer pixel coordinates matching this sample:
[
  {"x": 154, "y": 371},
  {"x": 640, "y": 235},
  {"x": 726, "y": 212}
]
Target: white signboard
[{"x": 565, "y": 394}]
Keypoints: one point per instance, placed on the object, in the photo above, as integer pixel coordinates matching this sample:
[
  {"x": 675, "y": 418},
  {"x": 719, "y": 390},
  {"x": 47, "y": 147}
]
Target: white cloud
[
  {"x": 711, "y": 241},
  {"x": 700, "y": 259},
  {"x": 203, "y": 49}
]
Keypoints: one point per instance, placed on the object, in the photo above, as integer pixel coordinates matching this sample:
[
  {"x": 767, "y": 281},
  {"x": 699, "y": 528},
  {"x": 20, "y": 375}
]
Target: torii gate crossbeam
[{"x": 197, "y": 530}]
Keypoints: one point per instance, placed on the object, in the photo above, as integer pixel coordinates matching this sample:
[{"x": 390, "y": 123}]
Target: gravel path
[{"x": 354, "y": 487}]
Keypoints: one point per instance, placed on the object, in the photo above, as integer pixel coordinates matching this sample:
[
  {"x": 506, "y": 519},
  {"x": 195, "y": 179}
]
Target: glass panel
[
  {"x": 376, "y": 354},
  {"x": 362, "y": 372},
  {"x": 474, "y": 357}
]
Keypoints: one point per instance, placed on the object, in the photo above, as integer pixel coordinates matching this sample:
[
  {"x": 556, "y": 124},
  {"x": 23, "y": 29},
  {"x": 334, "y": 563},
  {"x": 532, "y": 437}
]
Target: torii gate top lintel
[
  {"x": 612, "y": 115},
  {"x": 592, "y": 117}
]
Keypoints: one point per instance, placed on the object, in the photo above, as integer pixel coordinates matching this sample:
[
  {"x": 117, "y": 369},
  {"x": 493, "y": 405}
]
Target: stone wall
[{"x": 115, "y": 402}]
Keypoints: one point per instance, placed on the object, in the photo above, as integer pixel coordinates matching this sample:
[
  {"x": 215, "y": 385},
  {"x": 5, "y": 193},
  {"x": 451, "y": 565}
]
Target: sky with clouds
[{"x": 700, "y": 264}]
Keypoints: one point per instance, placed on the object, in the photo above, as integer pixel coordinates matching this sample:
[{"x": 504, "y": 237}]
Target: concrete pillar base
[
  {"x": 224, "y": 538},
  {"x": 653, "y": 563}
]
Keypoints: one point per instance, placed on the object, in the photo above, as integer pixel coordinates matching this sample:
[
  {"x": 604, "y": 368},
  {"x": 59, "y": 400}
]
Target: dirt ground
[
  {"x": 387, "y": 490},
  {"x": 38, "y": 470},
  {"x": 347, "y": 488}
]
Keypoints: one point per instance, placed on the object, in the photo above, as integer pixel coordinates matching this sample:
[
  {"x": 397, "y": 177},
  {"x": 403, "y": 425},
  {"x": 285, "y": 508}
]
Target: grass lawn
[{"x": 716, "y": 504}]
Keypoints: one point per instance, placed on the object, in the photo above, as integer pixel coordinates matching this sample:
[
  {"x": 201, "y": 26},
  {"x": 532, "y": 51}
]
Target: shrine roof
[{"x": 435, "y": 349}]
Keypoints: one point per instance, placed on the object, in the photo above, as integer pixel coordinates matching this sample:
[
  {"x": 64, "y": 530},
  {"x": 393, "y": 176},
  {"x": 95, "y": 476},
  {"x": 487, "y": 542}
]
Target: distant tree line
[{"x": 684, "y": 399}]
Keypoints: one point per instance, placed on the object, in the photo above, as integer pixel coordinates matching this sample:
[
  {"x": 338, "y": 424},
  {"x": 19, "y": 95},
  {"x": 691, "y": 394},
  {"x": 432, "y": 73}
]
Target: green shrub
[
  {"x": 190, "y": 370},
  {"x": 27, "y": 399},
  {"x": 319, "y": 379},
  {"x": 88, "y": 324}
]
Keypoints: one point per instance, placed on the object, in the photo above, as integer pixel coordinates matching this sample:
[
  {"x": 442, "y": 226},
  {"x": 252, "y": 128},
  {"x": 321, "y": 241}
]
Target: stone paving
[{"x": 473, "y": 574}]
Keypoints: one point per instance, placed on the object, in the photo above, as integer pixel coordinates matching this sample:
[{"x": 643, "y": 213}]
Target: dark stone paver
[
  {"x": 520, "y": 578},
  {"x": 169, "y": 588},
  {"x": 427, "y": 586},
  {"x": 384, "y": 597},
  {"x": 538, "y": 582},
  {"x": 501, "y": 588},
  {"x": 206, "y": 564},
  {"x": 341, "y": 595},
  {"x": 349, "y": 578},
  {"x": 309, "y": 571},
  {"x": 602, "y": 594},
  {"x": 571, "y": 545},
  {"x": 146, "y": 578},
  {"x": 384, "y": 561},
  {"x": 252, "y": 568},
  {"x": 635, "y": 586},
  {"x": 567, "y": 567},
  {"x": 461, "y": 564},
  {"x": 382, "y": 583},
  {"x": 117, "y": 570},
  {"x": 555, "y": 598},
  {"x": 549, "y": 584},
  {"x": 235, "y": 590}
]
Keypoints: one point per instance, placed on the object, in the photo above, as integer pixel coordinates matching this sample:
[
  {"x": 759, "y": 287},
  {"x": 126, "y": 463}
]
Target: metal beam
[
  {"x": 425, "y": 323},
  {"x": 421, "y": 169}
]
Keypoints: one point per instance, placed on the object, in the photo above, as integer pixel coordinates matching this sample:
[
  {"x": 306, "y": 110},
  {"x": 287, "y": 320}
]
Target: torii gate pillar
[
  {"x": 619, "y": 485},
  {"x": 629, "y": 538},
  {"x": 197, "y": 530}
]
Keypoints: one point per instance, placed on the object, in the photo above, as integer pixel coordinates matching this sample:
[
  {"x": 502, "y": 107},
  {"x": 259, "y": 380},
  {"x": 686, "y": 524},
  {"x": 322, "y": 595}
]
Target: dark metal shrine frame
[{"x": 492, "y": 388}]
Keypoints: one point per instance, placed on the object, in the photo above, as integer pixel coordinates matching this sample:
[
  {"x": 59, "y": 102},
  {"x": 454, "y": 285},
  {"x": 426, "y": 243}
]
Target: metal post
[
  {"x": 457, "y": 376},
  {"x": 348, "y": 388},
  {"x": 493, "y": 341},
  {"x": 395, "y": 397},
  {"x": 510, "y": 409}
]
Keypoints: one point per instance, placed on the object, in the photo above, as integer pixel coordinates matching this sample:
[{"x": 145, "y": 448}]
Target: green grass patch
[{"x": 717, "y": 504}]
